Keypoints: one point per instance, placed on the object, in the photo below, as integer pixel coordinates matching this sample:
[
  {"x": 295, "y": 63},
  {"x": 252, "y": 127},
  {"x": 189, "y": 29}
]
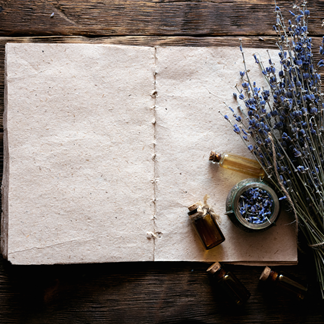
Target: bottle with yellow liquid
[{"x": 237, "y": 163}]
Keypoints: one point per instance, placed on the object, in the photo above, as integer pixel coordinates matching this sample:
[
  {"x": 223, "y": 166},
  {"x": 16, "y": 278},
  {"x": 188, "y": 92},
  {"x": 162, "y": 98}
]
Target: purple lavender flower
[
  {"x": 255, "y": 205},
  {"x": 236, "y": 129},
  {"x": 291, "y": 110},
  {"x": 256, "y": 59}
]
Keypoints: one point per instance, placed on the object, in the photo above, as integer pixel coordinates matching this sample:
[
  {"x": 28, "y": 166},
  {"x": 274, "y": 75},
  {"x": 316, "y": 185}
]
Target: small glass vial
[
  {"x": 237, "y": 163},
  {"x": 287, "y": 283},
  {"x": 231, "y": 286},
  {"x": 206, "y": 227}
]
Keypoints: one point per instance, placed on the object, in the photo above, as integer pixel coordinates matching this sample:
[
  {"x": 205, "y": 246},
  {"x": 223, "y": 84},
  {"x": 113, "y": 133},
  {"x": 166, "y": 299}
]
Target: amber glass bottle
[
  {"x": 230, "y": 285},
  {"x": 206, "y": 227},
  {"x": 237, "y": 163},
  {"x": 283, "y": 281}
]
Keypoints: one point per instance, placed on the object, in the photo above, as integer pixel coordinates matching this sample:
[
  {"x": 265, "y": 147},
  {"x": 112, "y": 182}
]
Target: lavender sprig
[{"x": 284, "y": 125}]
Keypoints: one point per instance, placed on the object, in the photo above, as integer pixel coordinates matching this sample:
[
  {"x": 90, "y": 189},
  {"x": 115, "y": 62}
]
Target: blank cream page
[
  {"x": 192, "y": 83},
  {"x": 79, "y": 146}
]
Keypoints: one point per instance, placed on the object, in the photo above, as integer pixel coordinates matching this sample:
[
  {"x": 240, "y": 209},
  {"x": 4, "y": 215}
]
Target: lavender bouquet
[{"x": 283, "y": 126}]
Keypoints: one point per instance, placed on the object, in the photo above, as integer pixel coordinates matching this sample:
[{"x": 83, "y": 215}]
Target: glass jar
[{"x": 252, "y": 205}]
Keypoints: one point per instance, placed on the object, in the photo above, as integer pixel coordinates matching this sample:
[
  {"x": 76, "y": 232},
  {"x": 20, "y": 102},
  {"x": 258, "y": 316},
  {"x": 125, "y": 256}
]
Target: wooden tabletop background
[{"x": 161, "y": 292}]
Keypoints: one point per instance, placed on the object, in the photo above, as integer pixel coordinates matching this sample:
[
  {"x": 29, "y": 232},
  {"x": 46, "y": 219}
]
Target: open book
[{"x": 106, "y": 146}]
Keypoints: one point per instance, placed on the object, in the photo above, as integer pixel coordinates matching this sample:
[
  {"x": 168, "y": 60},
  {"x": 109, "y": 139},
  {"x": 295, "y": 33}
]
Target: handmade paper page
[
  {"x": 192, "y": 84},
  {"x": 79, "y": 143}
]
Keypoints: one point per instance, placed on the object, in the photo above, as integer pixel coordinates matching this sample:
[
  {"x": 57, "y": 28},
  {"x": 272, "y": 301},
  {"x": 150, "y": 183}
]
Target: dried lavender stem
[{"x": 282, "y": 187}]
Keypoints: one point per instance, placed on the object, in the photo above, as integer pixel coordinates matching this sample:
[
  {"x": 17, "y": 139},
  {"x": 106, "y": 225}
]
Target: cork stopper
[
  {"x": 214, "y": 268},
  {"x": 193, "y": 207},
  {"x": 265, "y": 274},
  {"x": 215, "y": 157}
]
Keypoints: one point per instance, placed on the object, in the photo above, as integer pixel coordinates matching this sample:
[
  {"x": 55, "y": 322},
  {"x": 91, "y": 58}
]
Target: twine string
[
  {"x": 317, "y": 245},
  {"x": 204, "y": 209}
]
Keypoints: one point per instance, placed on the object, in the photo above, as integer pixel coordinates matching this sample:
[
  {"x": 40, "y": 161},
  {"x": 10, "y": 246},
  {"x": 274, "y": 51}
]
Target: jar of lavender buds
[{"x": 252, "y": 205}]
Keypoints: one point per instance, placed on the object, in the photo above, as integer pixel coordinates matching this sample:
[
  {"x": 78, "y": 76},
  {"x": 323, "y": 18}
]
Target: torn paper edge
[{"x": 5, "y": 179}]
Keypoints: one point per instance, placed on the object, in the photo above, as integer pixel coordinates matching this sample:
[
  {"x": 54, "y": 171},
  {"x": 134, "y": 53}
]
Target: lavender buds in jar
[
  {"x": 255, "y": 205},
  {"x": 252, "y": 205}
]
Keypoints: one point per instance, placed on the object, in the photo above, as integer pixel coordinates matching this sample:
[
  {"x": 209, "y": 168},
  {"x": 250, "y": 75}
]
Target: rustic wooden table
[{"x": 145, "y": 292}]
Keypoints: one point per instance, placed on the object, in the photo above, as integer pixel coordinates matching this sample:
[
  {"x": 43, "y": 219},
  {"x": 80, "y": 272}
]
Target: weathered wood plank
[
  {"x": 146, "y": 17},
  {"x": 252, "y": 41},
  {"x": 141, "y": 293}
]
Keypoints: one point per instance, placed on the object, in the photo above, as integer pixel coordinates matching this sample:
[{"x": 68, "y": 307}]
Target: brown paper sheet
[
  {"x": 80, "y": 178},
  {"x": 79, "y": 127},
  {"x": 192, "y": 85}
]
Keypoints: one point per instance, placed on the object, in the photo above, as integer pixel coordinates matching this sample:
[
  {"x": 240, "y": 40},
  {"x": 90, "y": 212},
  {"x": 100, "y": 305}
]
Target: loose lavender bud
[
  {"x": 321, "y": 50},
  {"x": 313, "y": 111},
  {"x": 256, "y": 59},
  {"x": 236, "y": 129},
  {"x": 244, "y": 132},
  {"x": 296, "y": 153},
  {"x": 255, "y": 205},
  {"x": 320, "y": 63},
  {"x": 301, "y": 168}
]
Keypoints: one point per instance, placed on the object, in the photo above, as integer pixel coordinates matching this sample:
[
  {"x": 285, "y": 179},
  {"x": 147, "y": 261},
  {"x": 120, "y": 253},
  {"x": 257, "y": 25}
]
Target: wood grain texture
[
  {"x": 141, "y": 293},
  {"x": 150, "y": 17},
  {"x": 145, "y": 292}
]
